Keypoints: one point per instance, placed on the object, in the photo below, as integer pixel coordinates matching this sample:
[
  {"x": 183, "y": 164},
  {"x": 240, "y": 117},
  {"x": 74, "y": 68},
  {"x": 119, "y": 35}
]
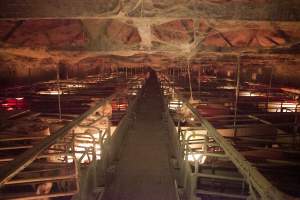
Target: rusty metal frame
[
  {"x": 64, "y": 136},
  {"x": 254, "y": 178},
  {"x": 259, "y": 186},
  {"x": 14, "y": 167}
]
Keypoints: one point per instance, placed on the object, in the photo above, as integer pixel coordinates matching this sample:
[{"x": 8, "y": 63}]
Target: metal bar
[
  {"x": 220, "y": 194},
  {"x": 199, "y": 80},
  {"x": 237, "y": 89},
  {"x": 11, "y": 169},
  {"x": 258, "y": 125},
  {"x": 219, "y": 177},
  {"x": 189, "y": 76},
  {"x": 258, "y": 140},
  {"x": 254, "y": 115},
  {"x": 284, "y": 162},
  {"x": 39, "y": 171},
  {"x": 269, "y": 87},
  {"x": 15, "y": 147},
  {"x": 35, "y": 196},
  {"x": 22, "y": 138},
  {"x": 58, "y": 92},
  {"x": 40, "y": 179},
  {"x": 6, "y": 159},
  {"x": 39, "y": 156},
  {"x": 213, "y": 154},
  {"x": 19, "y": 114}
]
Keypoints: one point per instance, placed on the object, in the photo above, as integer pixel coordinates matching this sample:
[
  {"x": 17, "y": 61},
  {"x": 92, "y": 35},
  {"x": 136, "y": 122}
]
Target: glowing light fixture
[
  {"x": 251, "y": 94},
  {"x": 280, "y": 106},
  {"x": 50, "y": 92}
]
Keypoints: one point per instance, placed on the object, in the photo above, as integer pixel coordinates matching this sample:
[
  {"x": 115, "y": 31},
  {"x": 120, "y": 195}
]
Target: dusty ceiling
[{"x": 139, "y": 32}]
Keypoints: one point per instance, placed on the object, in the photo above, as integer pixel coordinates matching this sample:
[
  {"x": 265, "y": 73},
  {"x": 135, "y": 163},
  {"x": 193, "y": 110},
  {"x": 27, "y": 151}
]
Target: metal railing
[
  {"x": 62, "y": 149},
  {"x": 259, "y": 186}
]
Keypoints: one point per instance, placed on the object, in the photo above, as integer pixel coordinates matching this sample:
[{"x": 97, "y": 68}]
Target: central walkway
[{"x": 143, "y": 172}]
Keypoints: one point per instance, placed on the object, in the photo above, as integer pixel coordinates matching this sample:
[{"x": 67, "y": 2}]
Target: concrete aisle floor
[{"x": 143, "y": 172}]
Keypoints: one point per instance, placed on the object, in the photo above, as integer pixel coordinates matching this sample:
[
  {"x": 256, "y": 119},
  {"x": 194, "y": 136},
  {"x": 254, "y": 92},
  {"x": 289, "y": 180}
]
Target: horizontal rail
[
  {"x": 40, "y": 179},
  {"x": 221, "y": 194},
  {"x": 38, "y": 197},
  {"x": 22, "y": 138},
  {"x": 216, "y": 176},
  {"x": 7, "y": 159},
  {"x": 15, "y": 147}
]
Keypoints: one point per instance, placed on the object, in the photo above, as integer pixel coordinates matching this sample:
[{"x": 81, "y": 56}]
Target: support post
[
  {"x": 269, "y": 88},
  {"x": 237, "y": 90},
  {"x": 190, "y": 81},
  {"x": 58, "y": 92},
  {"x": 199, "y": 80}
]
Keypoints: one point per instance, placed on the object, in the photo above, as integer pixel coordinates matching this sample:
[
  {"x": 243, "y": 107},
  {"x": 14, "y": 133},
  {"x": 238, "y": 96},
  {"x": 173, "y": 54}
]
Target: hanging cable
[
  {"x": 237, "y": 91},
  {"x": 190, "y": 82},
  {"x": 58, "y": 91},
  {"x": 199, "y": 80},
  {"x": 269, "y": 88}
]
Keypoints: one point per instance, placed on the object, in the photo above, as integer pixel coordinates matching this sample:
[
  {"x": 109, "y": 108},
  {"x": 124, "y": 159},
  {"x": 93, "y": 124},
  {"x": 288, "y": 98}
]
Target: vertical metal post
[
  {"x": 237, "y": 90},
  {"x": 58, "y": 92},
  {"x": 269, "y": 88},
  {"x": 76, "y": 165},
  {"x": 243, "y": 187},
  {"x": 29, "y": 75},
  {"x": 98, "y": 74},
  {"x": 67, "y": 75},
  {"x": 185, "y": 69},
  {"x": 206, "y": 140},
  {"x": 295, "y": 128},
  {"x": 185, "y": 146},
  {"x": 296, "y": 120},
  {"x": 196, "y": 166},
  {"x": 199, "y": 80},
  {"x": 142, "y": 8},
  {"x": 190, "y": 81}
]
